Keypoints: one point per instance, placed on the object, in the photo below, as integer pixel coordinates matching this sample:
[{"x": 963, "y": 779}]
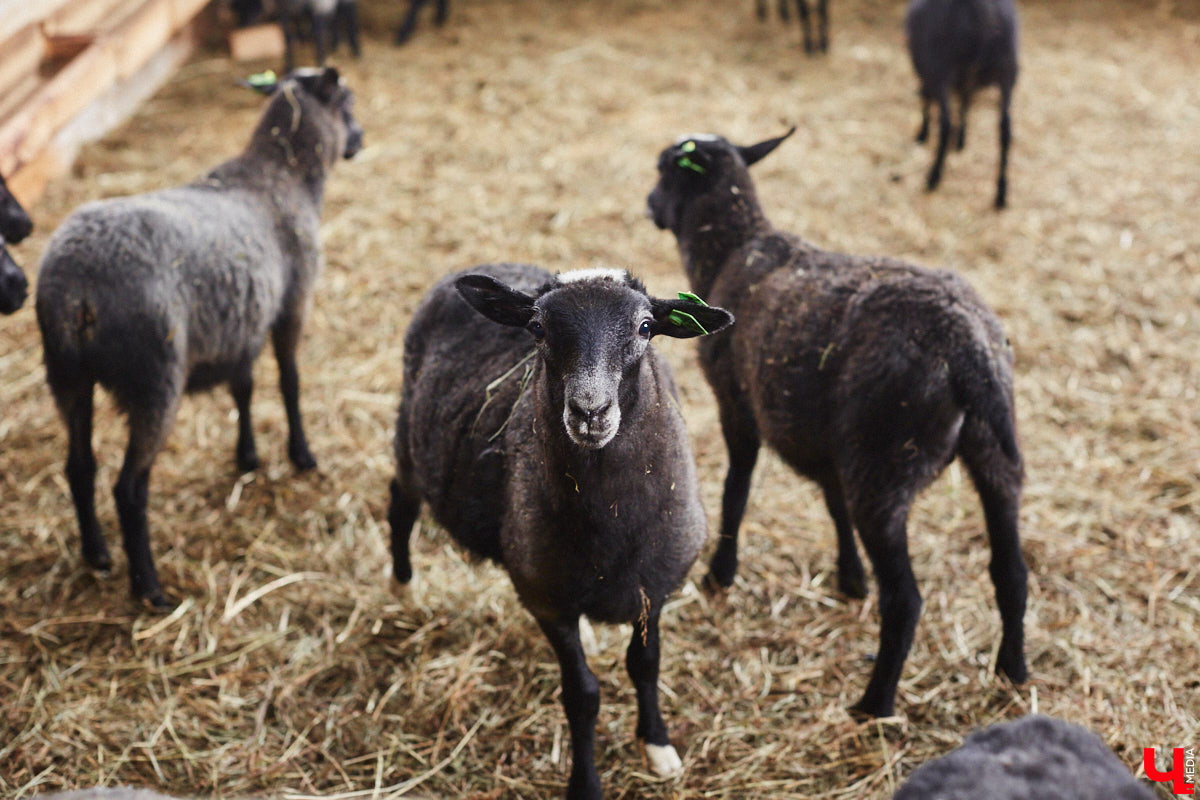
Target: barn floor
[{"x": 529, "y": 131}]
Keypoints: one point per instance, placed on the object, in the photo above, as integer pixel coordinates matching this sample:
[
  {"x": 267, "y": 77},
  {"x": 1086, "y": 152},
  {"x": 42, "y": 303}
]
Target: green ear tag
[
  {"x": 688, "y": 147},
  {"x": 261, "y": 79},
  {"x": 683, "y": 319},
  {"x": 687, "y": 163}
]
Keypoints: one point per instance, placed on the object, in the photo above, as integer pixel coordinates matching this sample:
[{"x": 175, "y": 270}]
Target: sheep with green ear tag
[{"x": 543, "y": 430}]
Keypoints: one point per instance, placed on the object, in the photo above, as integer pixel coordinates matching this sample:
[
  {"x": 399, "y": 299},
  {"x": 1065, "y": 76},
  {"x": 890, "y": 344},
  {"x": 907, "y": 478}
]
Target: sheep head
[{"x": 591, "y": 329}]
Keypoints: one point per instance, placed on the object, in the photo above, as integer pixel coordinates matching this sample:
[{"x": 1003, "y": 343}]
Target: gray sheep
[
  {"x": 1033, "y": 758},
  {"x": 964, "y": 46},
  {"x": 15, "y": 225},
  {"x": 175, "y": 291},
  {"x": 867, "y": 375},
  {"x": 552, "y": 443},
  {"x": 810, "y": 46}
]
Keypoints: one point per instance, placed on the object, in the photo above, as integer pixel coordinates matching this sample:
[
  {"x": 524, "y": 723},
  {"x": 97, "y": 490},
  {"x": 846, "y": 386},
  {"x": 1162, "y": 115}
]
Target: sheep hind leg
[
  {"x": 823, "y": 17},
  {"x": 441, "y": 12},
  {"x": 242, "y": 387},
  {"x": 935, "y": 172},
  {"x": 1005, "y": 141},
  {"x": 806, "y": 26},
  {"x": 743, "y": 443},
  {"x": 286, "y": 337},
  {"x": 923, "y": 131},
  {"x": 964, "y": 103},
  {"x": 998, "y": 482},
  {"x": 402, "y": 515},
  {"x": 641, "y": 662},
  {"x": 885, "y": 539},
  {"x": 76, "y": 406},
  {"x": 852, "y": 580},
  {"x": 581, "y": 702},
  {"x": 409, "y": 24},
  {"x": 148, "y": 429}
]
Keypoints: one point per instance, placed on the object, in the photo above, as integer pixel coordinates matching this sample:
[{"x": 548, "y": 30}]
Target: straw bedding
[{"x": 528, "y": 131}]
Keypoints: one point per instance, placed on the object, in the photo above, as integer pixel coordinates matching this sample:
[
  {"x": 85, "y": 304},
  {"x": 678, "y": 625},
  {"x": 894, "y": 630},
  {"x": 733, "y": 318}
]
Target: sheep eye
[
  {"x": 536, "y": 329},
  {"x": 644, "y": 329}
]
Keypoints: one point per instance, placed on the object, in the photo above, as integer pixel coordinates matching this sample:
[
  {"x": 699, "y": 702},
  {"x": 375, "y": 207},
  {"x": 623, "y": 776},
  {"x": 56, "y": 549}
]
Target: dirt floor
[{"x": 529, "y": 131}]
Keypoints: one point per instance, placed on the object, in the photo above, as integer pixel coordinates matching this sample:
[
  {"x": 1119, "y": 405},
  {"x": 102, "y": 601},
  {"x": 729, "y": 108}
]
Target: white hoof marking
[{"x": 664, "y": 760}]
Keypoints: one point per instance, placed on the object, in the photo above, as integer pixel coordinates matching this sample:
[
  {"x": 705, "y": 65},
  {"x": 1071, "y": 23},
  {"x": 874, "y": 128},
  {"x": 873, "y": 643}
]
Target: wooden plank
[
  {"x": 256, "y": 42},
  {"x": 29, "y": 182},
  {"x": 141, "y": 35},
  {"x": 91, "y": 17},
  {"x": 19, "y": 59},
  {"x": 17, "y": 14}
]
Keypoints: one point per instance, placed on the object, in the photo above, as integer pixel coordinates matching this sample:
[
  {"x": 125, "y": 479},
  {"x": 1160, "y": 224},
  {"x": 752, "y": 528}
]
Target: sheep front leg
[
  {"x": 402, "y": 514},
  {"x": 1005, "y": 141},
  {"x": 852, "y": 580},
  {"x": 823, "y": 16},
  {"x": 241, "y": 387},
  {"x": 923, "y": 131},
  {"x": 641, "y": 661},
  {"x": 286, "y": 338},
  {"x": 323, "y": 33},
  {"x": 409, "y": 23},
  {"x": 806, "y": 26},
  {"x": 581, "y": 702}
]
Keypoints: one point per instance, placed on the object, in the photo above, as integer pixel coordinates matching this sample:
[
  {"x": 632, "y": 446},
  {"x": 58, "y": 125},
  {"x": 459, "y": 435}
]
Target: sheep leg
[
  {"x": 148, "y": 430},
  {"x": 964, "y": 102},
  {"x": 923, "y": 131},
  {"x": 760, "y": 10},
  {"x": 784, "y": 11},
  {"x": 441, "y": 12},
  {"x": 322, "y": 30},
  {"x": 806, "y": 26},
  {"x": 402, "y": 514},
  {"x": 1005, "y": 141},
  {"x": 823, "y": 16},
  {"x": 998, "y": 482},
  {"x": 935, "y": 172},
  {"x": 286, "y": 337},
  {"x": 581, "y": 702},
  {"x": 81, "y": 474},
  {"x": 241, "y": 387},
  {"x": 743, "y": 442},
  {"x": 287, "y": 22},
  {"x": 347, "y": 18},
  {"x": 852, "y": 580},
  {"x": 641, "y": 662},
  {"x": 409, "y": 23},
  {"x": 886, "y": 542}
]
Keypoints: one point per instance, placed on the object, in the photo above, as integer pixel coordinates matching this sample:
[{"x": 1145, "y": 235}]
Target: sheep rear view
[
  {"x": 866, "y": 375},
  {"x": 963, "y": 46},
  {"x": 552, "y": 443},
  {"x": 174, "y": 291},
  {"x": 1033, "y": 758}
]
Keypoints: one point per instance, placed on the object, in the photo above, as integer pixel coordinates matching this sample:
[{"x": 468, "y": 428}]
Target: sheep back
[
  {"x": 449, "y": 435},
  {"x": 825, "y": 338},
  {"x": 193, "y": 276},
  {"x": 1034, "y": 758}
]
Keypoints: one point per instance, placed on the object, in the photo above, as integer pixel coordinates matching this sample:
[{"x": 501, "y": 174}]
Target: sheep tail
[{"x": 981, "y": 393}]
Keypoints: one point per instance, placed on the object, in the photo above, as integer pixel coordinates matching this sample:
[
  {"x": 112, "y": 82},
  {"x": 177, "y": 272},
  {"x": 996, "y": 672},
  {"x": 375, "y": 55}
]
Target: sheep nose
[{"x": 591, "y": 413}]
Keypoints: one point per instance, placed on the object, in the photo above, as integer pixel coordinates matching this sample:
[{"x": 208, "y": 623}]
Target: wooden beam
[{"x": 17, "y": 14}]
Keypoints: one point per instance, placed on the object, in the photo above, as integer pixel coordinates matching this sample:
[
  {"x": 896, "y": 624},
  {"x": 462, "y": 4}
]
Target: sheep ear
[
  {"x": 327, "y": 84},
  {"x": 756, "y": 152},
  {"x": 687, "y": 317},
  {"x": 494, "y": 300}
]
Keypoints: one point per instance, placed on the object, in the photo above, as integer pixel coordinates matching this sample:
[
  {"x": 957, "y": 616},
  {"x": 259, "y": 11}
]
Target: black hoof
[
  {"x": 302, "y": 458},
  {"x": 247, "y": 462},
  {"x": 100, "y": 563},
  {"x": 932, "y": 182},
  {"x": 712, "y": 585},
  {"x": 863, "y": 711},
  {"x": 158, "y": 603},
  {"x": 853, "y": 586}
]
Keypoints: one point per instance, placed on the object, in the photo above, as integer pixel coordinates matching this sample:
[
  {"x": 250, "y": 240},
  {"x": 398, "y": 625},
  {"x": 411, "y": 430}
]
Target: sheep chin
[{"x": 592, "y": 436}]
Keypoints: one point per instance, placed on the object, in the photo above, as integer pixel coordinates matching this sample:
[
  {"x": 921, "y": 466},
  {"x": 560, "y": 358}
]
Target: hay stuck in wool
[{"x": 528, "y": 131}]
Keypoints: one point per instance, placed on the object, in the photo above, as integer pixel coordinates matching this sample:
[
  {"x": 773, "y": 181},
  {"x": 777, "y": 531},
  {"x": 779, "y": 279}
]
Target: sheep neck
[{"x": 718, "y": 224}]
